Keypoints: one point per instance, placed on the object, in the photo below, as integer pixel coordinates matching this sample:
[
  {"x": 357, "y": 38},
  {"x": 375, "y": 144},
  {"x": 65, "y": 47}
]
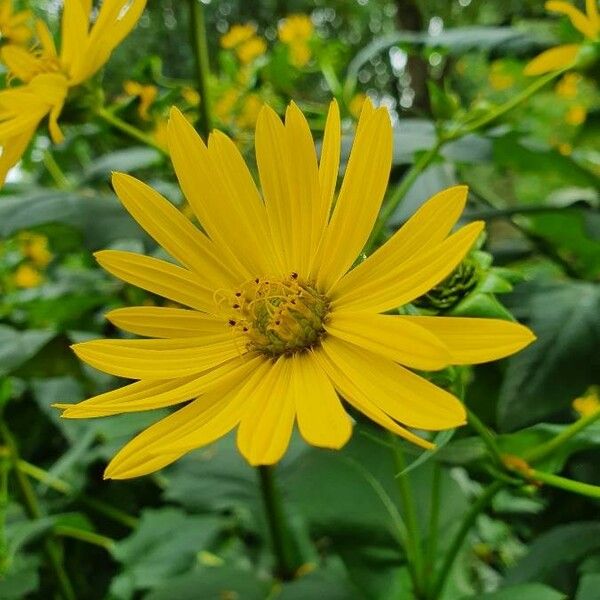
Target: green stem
[
  {"x": 34, "y": 512},
  {"x": 584, "y": 489},
  {"x": 278, "y": 527},
  {"x": 543, "y": 450},
  {"x": 486, "y": 436},
  {"x": 434, "y": 514},
  {"x": 459, "y": 538},
  {"x": 89, "y": 537},
  {"x": 129, "y": 130},
  {"x": 413, "y": 549},
  {"x": 60, "y": 179},
  {"x": 4, "y": 471},
  {"x": 199, "y": 42}
]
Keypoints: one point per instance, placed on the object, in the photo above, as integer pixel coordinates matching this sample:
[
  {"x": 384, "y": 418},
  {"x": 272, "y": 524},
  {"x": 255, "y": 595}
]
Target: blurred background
[{"x": 197, "y": 530}]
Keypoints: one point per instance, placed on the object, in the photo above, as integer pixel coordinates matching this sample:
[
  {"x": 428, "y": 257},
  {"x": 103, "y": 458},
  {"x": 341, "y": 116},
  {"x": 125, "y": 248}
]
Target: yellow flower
[
  {"x": 160, "y": 133},
  {"x": 224, "y": 107},
  {"x": 567, "y": 86},
  {"x": 564, "y": 56},
  {"x": 252, "y": 49},
  {"x": 27, "y": 276},
  {"x": 14, "y": 26},
  {"x": 146, "y": 93},
  {"x": 278, "y": 325},
  {"x": 251, "y": 108},
  {"x": 295, "y": 31},
  {"x": 237, "y": 34},
  {"x": 587, "y": 404},
  {"x": 191, "y": 96},
  {"x": 35, "y": 247},
  {"x": 498, "y": 79},
  {"x": 576, "y": 115},
  {"x": 48, "y": 75},
  {"x": 356, "y": 104},
  {"x": 565, "y": 148}
]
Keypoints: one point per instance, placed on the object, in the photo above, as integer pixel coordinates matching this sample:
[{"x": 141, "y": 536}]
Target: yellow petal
[
  {"x": 360, "y": 197},
  {"x": 156, "y": 359},
  {"x": 410, "y": 279},
  {"x": 12, "y": 151},
  {"x": 398, "y": 392},
  {"x": 74, "y": 29},
  {"x": 356, "y": 397},
  {"x": 329, "y": 163},
  {"x": 392, "y": 337},
  {"x": 159, "y": 277},
  {"x": 224, "y": 219},
  {"x": 473, "y": 341},
  {"x": 172, "y": 230},
  {"x": 22, "y": 64},
  {"x": 161, "y": 322},
  {"x": 153, "y": 394},
  {"x": 322, "y": 420},
  {"x": 552, "y": 60},
  {"x": 266, "y": 425},
  {"x": 46, "y": 39},
  {"x": 591, "y": 8},
  {"x": 579, "y": 20},
  {"x": 428, "y": 226}
]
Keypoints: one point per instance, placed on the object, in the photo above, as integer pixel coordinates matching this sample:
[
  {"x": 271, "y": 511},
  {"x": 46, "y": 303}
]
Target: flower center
[{"x": 278, "y": 316}]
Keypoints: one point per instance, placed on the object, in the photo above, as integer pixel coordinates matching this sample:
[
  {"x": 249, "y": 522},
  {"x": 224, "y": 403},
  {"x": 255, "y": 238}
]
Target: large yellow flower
[
  {"x": 48, "y": 75},
  {"x": 564, "y": 56},
  {"x": 15, "y": 27},
  {"x": 278, "y": 326}
]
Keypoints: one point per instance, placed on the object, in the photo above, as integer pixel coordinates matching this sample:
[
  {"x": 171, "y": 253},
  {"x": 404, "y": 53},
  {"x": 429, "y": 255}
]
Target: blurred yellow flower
[
  {"x": 223, "y": 109},
  {"x": 48, "y": 75},
  {"x": 278, "y": 325},
  {"x": 15, "y": 27},
  {"x": 243, "y": 39},
  {"x": 564, "y": 56},
  {"x": 356, "y": 104},
  {"x": 498, "y": 79},
  {"x": 567, "y": 86},
  {"x": 191, "y": 96},
  {"x": 159, "y": 134},
  {"x": 587, "y": 404},
  {"x": 146, "y": 93},
  {"x": 296, "y": 31},
  {"x": 35, "y": 247},
  {"x": 576, "y": 115},
  {"x": 251, "y": 107},
  {"x": 565, "y": 148},
  {"x": 27, "y": 276}
]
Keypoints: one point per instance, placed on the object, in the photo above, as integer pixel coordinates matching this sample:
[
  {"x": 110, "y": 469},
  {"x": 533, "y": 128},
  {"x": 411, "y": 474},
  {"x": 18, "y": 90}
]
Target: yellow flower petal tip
[{"x": 267, "y": 325}]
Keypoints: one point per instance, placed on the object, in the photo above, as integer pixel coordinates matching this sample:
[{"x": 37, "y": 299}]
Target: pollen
[{"x": 277, "y": 316}]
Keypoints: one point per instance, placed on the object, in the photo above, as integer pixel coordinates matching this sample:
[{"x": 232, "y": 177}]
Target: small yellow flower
[
  {"x": 15, "y": 27},
  {"x": 237, "y": 34},
  {"x": 587, "y": 404},
  {"x": 296, "y": 31},
  {"x": 576, "y": 115},
  {"x": 146, "y": 93},
  {"x": 27, "y": 276},
  {"x": 159, "y": 133},
  {"x": 252, "y": 49},
  {"x": 191, "y": 96},
  {"x": 251, "y": 107},
  {"x": 564, "y": 56},
  {"x": 48, "y": 75},
  {"x": 223, "y": 108},
  {"x": 35, "y": 247},
  {"x": 356, "y": 104},
  {"x": 279, "y": 328},
  {"x": 565, "y": 148},
  {"x": 498, "y": 79},
  {"x": 568, "y": 84}
]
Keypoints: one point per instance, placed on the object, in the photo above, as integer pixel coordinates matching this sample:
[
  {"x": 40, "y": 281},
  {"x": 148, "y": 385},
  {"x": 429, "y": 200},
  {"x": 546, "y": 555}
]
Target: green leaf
[
  {"x": 544, "y": 378},
  {"x": 320, "y": 584},
  {"x": 529, "y": 591},
  {"x": 555, "y": 550},
  {"x": 16, "y": 347},
  {"x": 588, "y": 587},
  {"x": 21, "y": 577},
  {"x": 133, "y": 158}
]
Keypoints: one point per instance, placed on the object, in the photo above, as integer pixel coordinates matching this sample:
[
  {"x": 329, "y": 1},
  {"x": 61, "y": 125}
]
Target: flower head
[
  {"x": 296, "y": 31},
  {"x": 47, "y": 75},
  {"x": 146, "y": 94},
  {"x": 588, "y": 404},
  {"x": 27, "y": 276},
  {"x": 563, "y": 56},
  {"x": 15, "y": 27},
  {"x": 243, "y": 40},
  {"x": 278, "y": 326}
]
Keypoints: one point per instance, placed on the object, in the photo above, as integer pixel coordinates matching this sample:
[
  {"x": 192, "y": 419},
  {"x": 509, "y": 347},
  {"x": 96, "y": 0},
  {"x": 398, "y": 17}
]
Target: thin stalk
[
  {"x": 133, "y": 132},
  {"x": 583, "y": 489},
  {"x": 200, "y": 45},
  {"x": 546, "y": 449},
  {"x": 434, "y": 515},
  {"x": 278, "y": 527},
  {"x": 58, "y": 176},
  {"x": 89, "y": 537},
  {"x": 4, "y": 471},
  {"x": 414, "y": 552},
  {"x": 34, "y": 512},
  {"x": 468, "y": 522},
  {"x": 486, "y": 436}
]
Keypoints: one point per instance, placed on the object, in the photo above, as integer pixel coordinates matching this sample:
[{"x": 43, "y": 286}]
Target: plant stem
[
  {"x": 486, "y": 436},
  {"x": 128, "y": 129},
  {"x": 34, "y": 512},
  {"x": 584, "y": 489},
  {"x": 432, "y": 531},
  {"x": 543, "y": 450},
  {"x": 278, "y": 528},
  {"x": 89, "y": 537},
  {"x": 200, "y": 44},
  {"x": 468, "y": 521},
  {"x": 413, "y": 550},
  {"x": 60, "y": 179}
]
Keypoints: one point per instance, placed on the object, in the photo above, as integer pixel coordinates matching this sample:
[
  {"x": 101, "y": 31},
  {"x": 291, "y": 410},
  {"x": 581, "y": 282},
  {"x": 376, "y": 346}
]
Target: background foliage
[{"x": 197, "y": 530}]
